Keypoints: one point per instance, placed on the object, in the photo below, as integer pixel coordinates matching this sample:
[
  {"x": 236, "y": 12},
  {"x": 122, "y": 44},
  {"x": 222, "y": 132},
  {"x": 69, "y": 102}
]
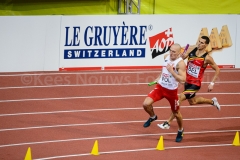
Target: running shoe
[
  {"x": 148, "y": 122},
  {"x": 216, "y": 104},
  {"x": 179, "y": 136},
  {"x": 164, "y": 125}
]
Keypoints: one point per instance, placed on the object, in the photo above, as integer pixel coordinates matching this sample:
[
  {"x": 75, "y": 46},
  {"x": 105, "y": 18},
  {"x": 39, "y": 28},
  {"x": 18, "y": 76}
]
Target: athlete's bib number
[
  {"x": 166, "y": 80},
  {"x": 193, "y": 70}
]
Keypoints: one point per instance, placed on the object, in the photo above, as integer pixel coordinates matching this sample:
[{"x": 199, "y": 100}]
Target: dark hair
[{"x": 207, "y": 40}]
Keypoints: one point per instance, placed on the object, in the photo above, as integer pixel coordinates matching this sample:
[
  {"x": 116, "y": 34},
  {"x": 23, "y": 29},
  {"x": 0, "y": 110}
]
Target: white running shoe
[
  {"x": 164, "y": 125},
  {"x": 216, "y": 104}
]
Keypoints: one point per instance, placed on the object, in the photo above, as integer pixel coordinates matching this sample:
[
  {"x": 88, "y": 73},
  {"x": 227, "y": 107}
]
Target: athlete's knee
[
  {"x": 192, "y": 102},
  {"x": 145, "y": 105},
  {"x": 175, "y": 113},
  {"x": 147, "y": 102},
  {"x": 182, "y": 97}
]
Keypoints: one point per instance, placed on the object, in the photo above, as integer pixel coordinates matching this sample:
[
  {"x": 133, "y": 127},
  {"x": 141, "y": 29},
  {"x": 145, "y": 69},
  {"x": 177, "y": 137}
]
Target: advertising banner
[
  {"x": 237, "y": 57},
  {"x": 128, "y": 41}
]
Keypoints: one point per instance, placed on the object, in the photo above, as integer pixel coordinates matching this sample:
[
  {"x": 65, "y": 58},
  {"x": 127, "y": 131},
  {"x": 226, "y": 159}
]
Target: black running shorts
[{"x": 190, "y": 90}]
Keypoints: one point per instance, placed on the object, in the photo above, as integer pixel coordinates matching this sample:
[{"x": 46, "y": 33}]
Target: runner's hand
[
  {"x": 210, "y": 87},
  {"x": 170, "y": 67}
]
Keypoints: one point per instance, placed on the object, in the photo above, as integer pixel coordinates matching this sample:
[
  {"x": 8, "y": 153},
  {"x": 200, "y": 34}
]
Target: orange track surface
[{"x": 61, "y": 114}]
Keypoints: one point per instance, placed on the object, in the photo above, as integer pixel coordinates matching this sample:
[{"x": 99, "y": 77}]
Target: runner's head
[
  {"x": 203, "y": 42},
  {"x": 175, "y": 50}
]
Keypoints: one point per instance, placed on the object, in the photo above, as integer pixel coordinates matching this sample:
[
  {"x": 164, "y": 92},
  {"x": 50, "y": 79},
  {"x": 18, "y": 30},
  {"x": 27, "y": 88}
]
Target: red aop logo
[{"x": 160, "y": 43}]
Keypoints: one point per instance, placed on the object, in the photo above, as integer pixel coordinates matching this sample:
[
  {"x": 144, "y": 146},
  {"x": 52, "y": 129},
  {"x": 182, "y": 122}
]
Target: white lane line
[
  {"x": 79, "y": 85},
  {"x": 109, "y": 109},
  {"x": 107, "y": 123},
  {"x": 112, "y": 137},
  {"x": 79, "y": 73},
  {"x": 62, "y": 98},
  {"x": 133, "y": 150},
  {"x": 100, "y": 84},
  {"x": 102, "y": 72},
  {"x": 116, "y": 96}
]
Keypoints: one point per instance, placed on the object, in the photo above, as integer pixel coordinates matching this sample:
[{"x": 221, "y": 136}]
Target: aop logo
[{"x": 160, "y": 43}]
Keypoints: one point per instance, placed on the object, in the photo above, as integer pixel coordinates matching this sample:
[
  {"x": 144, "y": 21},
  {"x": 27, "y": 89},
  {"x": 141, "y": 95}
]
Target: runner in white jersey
[
  {"x": 173, "y": 72},
  {"x": 167, "y": 80}
]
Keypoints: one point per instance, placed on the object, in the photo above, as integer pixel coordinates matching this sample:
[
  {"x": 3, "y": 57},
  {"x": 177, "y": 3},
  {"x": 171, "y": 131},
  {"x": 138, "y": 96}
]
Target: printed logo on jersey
[
  {"x": 161, "y": 42},
  {"x": 197, "y": 62},
  {"x": 166, "y": 78}
]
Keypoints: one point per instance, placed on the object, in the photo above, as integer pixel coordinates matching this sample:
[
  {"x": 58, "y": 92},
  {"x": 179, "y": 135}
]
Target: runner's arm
[
  {"x": 214, "y": 66},
  {"x": 190, "y": 48},
  {"x": 181, "y": 76}
]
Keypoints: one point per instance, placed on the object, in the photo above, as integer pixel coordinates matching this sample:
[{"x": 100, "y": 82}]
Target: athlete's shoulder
[
  {"x": 189, "y": 50},
  {"x": 192, "y": 51},
  {"x": 209, "y": 59},
  {"x": 192, "y": 48},
  {"x": 181, "y": 64}
]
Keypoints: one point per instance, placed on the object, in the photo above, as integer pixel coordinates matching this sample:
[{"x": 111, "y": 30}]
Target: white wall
[
  {"x": 29, "y": 43},
  {"x": 52, "y": 49}
]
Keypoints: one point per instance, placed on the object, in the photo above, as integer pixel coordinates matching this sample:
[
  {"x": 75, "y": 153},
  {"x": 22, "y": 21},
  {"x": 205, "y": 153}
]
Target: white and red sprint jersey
[{"x": 167, "y": 80}]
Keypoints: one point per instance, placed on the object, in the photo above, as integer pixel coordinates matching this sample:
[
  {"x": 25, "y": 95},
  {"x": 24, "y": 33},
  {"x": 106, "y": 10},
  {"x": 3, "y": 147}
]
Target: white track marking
[
  {"x": 116, "y": 96},
  {"x": 134, "y": 150},
  {"x": 101, "y": 84},
  {"x": 109, "y": 109},
  {"x": 80, "y": 85},
  {"x": 107, "y": 123},
  {"x": 66, "y": 98},
  {"x": 101, "y": 72},
  {"x": 77, "y": 73},
  {"x": 93, "y": 138},
  {"x": 111, "y": 137}
]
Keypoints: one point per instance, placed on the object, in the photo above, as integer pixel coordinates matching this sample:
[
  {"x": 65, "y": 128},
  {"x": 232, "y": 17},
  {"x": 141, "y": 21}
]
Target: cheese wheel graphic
[
  {"x": 215, "y": 39},
  {"x": 225, "y": 37}
]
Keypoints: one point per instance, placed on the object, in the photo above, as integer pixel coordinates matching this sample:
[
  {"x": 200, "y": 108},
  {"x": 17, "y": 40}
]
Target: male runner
[
  {"x": 198, "y": 59},
  {"x": 173, "y": 72}
]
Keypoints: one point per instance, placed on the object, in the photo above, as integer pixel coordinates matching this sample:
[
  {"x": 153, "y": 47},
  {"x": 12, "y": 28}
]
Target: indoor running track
[{"x": 60, "y": 115}]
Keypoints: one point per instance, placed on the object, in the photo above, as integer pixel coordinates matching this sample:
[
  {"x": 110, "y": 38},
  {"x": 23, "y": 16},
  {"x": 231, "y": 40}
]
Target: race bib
[
  {"x": 193, "y": 70},
  {"x": 166, "y": 80}
]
